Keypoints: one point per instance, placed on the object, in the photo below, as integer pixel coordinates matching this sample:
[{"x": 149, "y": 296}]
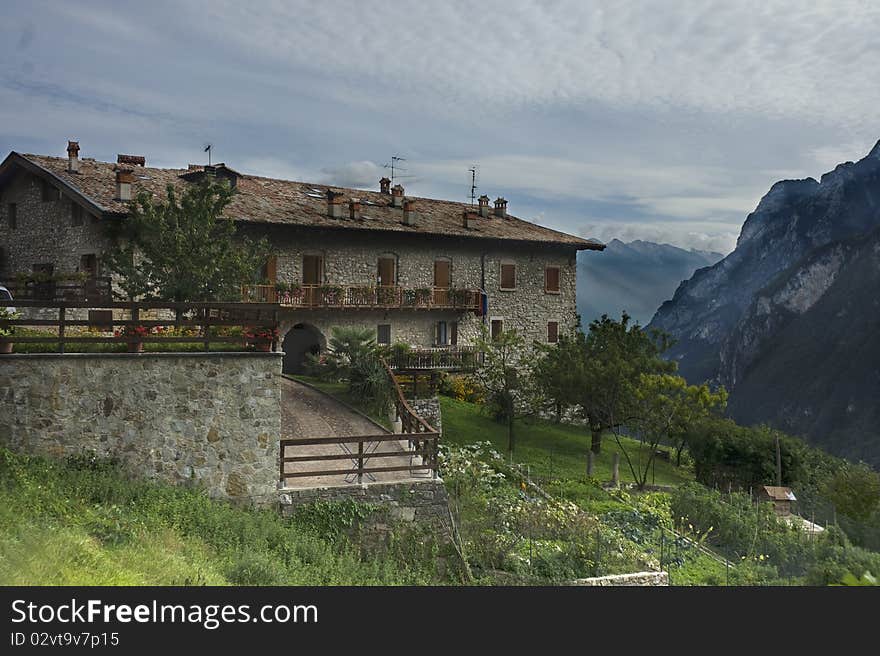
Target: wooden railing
[
  {"x": 360, "y": 296},
  {"x": 421, "y": 438},
  {"x": 443, "y": 358},
  {"x": 94, "y": 290},
  {"x": 112, "y": 322}
]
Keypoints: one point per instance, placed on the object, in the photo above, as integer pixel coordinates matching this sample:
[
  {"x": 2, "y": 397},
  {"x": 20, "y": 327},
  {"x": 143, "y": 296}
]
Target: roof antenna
[
  {"x": 473, "y": 171},
  {"x": 208, "y": 150},
  {"x": 394, "y": 160}
]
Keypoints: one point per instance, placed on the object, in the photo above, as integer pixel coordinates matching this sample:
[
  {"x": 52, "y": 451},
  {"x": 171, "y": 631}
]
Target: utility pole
[{"x": 778, "y": 463}]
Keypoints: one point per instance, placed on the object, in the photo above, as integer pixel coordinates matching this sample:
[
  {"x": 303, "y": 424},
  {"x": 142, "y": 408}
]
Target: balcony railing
[
  {"x": 61, "y": 289},
  {"x": 441, "y": 358},
  {"x": 360, "y": 296}
]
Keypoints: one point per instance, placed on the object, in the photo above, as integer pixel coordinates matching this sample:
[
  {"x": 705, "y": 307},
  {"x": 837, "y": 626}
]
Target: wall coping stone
[
  {"x": 130, "y": 356},
  {"x": 632, "y": 579}
]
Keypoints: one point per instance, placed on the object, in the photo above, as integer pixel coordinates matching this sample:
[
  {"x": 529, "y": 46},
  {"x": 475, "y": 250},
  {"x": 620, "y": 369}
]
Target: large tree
[
  {"x": 182, "y": 248},
  {"x": 609, "y": 360}
]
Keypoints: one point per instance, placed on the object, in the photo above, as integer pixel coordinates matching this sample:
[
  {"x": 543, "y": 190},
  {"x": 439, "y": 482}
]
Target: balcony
[{"x": 315, "y": 297}]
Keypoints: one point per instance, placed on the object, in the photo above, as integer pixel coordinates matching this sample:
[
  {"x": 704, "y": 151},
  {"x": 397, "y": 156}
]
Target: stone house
[
  {"x": 416, "y": 270},
  {"x": 780, "y": 497}
]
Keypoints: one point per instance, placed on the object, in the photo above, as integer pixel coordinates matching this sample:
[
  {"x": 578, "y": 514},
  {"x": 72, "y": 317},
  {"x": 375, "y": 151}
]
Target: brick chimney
[
  {"x": 483, "y": 203},
  {"x": 469, "y": 219},
  {"x": 73, "y": 156},
  {"x": 397, "y": 195},
  {"x": 501, "y": 207},
  {"x": 385, "y": 186},
  {"x": 124, "y": 178},
  {"x": 354, "y": 209},
  {"x": 334, "y": 204},
  {"x": 410, "y": 216}
]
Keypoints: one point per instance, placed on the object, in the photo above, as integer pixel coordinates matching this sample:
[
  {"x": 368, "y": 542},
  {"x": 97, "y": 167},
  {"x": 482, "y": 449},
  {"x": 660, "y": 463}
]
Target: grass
[
  {"x": 555, "y": 453},
  {"x": 84, "y": 522}
]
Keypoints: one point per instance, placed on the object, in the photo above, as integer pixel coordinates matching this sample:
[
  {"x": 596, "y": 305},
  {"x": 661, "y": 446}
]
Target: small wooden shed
[{"x": 780, "y": 497}]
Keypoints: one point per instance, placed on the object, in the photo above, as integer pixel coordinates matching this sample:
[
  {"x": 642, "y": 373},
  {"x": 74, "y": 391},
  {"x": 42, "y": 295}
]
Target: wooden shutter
[
  {"x": 508, "y": 276},
  {"x": 270, "y": 271},
  {"x": 442, "y": 277},
  {"x": 497, "y": 328},
  {"x": 551, "y": 279},
  {"x": 552, "y": 332}
]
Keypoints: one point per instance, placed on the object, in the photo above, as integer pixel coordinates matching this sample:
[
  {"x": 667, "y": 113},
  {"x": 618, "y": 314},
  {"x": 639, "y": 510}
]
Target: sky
[{"x": 663, "y": 121}]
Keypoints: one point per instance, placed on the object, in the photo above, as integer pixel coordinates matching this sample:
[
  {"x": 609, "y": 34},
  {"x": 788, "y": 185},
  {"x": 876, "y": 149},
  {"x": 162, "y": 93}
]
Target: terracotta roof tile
[{"x": 267, "y": 200}]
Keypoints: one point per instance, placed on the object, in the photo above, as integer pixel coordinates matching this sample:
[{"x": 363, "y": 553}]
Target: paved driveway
[{"x": 307, "y": 412}]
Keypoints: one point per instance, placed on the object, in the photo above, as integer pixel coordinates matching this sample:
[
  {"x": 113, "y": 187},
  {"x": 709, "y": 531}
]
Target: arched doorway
[{"x": 300, "y": 340}]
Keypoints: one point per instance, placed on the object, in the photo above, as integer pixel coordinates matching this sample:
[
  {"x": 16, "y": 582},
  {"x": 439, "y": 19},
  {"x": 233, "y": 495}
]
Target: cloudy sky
[{"x": 660, "y": 120}]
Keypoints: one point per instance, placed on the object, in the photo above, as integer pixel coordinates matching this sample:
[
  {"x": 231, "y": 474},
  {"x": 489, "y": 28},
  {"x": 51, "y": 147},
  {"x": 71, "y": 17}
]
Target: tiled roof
[
  {"x": 779, "y": 493},
  {"x": 267, "y": 200}
]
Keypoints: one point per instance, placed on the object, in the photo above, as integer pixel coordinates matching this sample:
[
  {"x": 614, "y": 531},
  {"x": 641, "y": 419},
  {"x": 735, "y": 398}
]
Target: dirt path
[{"x": 307, "y": 412}]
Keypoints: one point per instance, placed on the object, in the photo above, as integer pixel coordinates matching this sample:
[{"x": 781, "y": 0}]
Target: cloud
[{"x": 360, "y": 175}]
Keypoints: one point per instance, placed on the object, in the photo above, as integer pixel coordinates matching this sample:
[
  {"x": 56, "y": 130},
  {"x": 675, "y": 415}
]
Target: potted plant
[
  {"x": 330, "y": 294},
  {"x": 133, "y": 335},
  {"x": 282, "y": 293},
  {"x": 296, "y": 292},
  {"x": 423, "y": 295},
  {"x": 6, "y": 332},
  {"x": 261, "y": 337}
]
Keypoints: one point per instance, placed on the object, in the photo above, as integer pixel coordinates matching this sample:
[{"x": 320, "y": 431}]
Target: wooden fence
[
  {"x": 115, "y": 322},
  {"x": 95, "y": 290},
  {"x": 440, "y": 358},
  {"x": 421, "y": 438}
]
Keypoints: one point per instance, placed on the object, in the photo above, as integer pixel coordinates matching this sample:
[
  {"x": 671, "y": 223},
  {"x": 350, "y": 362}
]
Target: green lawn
[{"x": 554, "y": 452}]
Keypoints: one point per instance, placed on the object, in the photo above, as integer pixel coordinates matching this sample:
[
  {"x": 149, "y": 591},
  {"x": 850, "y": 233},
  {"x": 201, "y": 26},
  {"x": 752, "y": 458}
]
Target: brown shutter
[
  {"x": 271, "y": 270},
  {"x": 552, "y": 332},
  {"x": 551, "y": 279},
  {"x": 508, "y": 276}
]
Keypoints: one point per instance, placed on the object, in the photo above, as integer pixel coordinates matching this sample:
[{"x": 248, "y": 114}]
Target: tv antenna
[
  {"x": 474, "y": 170},
  {"x": 208, "y": 150},
  {"x": 394, "y": 166}
]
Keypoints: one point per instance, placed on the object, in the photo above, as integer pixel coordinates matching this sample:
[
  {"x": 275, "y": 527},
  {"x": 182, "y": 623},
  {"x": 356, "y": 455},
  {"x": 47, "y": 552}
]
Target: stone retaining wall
[
  {"x": 212, "y": 419},
  {"x": 429, "y": 410},
  {"x": 651, "y": 579}
]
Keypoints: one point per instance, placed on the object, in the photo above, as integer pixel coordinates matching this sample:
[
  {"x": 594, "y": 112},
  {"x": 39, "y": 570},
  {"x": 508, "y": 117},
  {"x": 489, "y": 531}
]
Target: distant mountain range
[
  {"x": 636, "y": 276},
  {"x": 790, "y": 320}
]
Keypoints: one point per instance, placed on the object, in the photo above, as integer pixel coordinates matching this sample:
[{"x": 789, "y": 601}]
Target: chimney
[
  {"x": 397, "y": 195},
  {"x": 124, "y": 178},
  {"x": 73, "y": 156},
  {"x": 385, "y": 186},
  {"x": 334, "y": 204},
  {"x": 469, "y": 219},
  {"x": 410, "y": 216},
  {"x": 354, "y": 209},
  {"x": 501, "y": 207},
  {"x": 483, "y": 205},
  {"x": 134, "y": 160}
]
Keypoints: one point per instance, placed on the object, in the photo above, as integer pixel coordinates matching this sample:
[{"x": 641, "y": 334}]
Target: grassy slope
[{"x": 84, "y": 523}]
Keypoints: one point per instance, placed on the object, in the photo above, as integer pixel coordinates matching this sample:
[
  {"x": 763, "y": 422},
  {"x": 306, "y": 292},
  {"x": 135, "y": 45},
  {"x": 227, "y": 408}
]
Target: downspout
[{"x": 483, "y": 285}]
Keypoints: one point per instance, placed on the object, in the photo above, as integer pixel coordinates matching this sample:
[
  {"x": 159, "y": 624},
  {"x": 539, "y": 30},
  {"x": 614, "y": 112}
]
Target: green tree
[
  {"x": 854, "y": 490},
  {"x": 182, "y": 248},
  {"x": 611, "y": 357},
  {"x": 662, "y": 407},
  {"x": 555, "y": 375},
  {"x": 506, "y": 378}
]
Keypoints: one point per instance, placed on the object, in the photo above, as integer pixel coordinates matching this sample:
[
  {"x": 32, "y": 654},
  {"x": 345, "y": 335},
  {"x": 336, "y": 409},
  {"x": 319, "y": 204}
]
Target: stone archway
[{"x": 300, "y": 340}]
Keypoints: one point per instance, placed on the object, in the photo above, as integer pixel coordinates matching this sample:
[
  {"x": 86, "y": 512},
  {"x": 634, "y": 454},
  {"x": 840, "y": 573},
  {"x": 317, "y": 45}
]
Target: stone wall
[
  {"x": 45, "y": 233},
  {"x": 429, "y": 410},
  {"x": 205, "y": 418},
  {"x": 421, "y": 501},
  {"x": 647, "y": 579}
]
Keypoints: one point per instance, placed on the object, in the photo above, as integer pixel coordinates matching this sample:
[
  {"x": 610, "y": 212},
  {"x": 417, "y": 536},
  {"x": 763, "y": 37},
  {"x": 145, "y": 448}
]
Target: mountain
[
  {"x": 636, "y": 276},
  {"x": 790, "y": 320}
]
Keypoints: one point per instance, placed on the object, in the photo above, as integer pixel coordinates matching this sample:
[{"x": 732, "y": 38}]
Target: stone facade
[
  {"x": 351, "y": 259},
  {"x": 45, "y": 232},
  {"x": 645, "y": 579},
  {"x": 204, "y": 418},
  {"x": 422, "y": 501}
]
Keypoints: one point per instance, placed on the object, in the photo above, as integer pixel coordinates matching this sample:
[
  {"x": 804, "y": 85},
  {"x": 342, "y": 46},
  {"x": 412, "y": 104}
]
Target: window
[
  {"x": 551, "y": 280},
  {"x": 386, "y": 271},
  {"x": 47, "y": 192},
  {"x": 270, "y": 270},
  {"x": 497, "y": 327},
  {"x": 88, "y": 264},
  {"x": 508, "y": 276},
  {"x": 313, "y": 270},
  {"x": 552, "y": 332},
  {"x": 12, "y": 214},
  {"x": 453, "y": 333},
  {"x": 76, "y": 215},
  {"x": 441, "y": 334},
  {"x": 383, "y": 333}
]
